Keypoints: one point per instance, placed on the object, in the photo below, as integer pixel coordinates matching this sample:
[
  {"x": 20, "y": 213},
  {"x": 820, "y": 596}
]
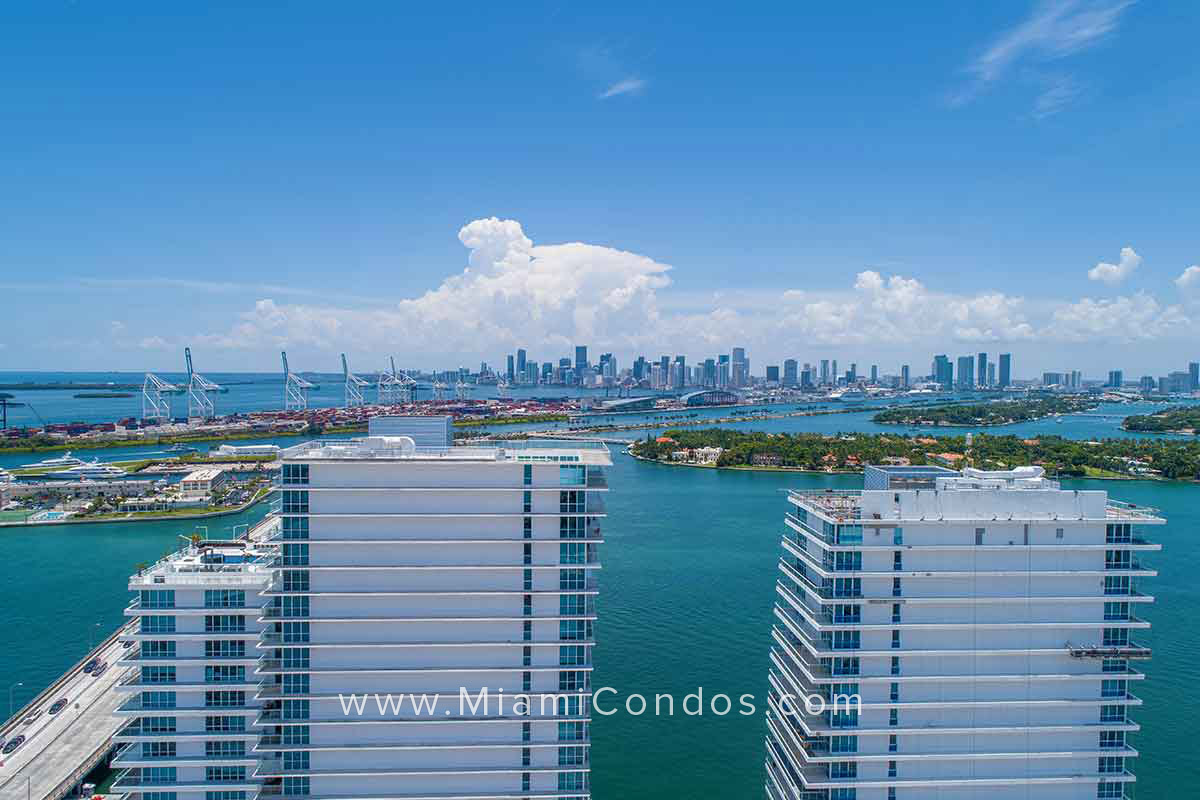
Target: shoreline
[
  {"x": 153, "y": 517},
  {"x": 802, "y": 471}
]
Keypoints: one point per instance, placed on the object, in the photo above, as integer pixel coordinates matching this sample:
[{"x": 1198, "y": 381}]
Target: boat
[
  {"x": 5, "y": 477},
  {"x": 849, "y": 396},
  {"x": 65, "y": 460},
  {"x": 180, "y": 448},
  {"x": 91, "y": 471}
]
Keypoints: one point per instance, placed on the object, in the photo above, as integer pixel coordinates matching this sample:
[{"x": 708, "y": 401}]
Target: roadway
[{"x": 56, "y": 747}]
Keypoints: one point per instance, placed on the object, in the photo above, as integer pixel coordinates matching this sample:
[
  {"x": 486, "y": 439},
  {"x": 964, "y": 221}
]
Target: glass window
[
  {"x": 294, "y": 474},
  {"x": 571, "y": 475},
  {"x": 294, "y": 502},
  {"x": 294, "y": 554},
  {"x": 224, "y": 598},
  {"x": 225, "y": 648},
  {"x": 224, "y": 623},
  {"x": 224, "y": 724},
  {"x": 572, "y": 553},
  {"x": 157, "y": 624},
  {"x": 224, "y": 673},
  {"x": 295, "y": 527},
  {"x": 158, "y": 674},
  {"x": 157, "y": 598}
]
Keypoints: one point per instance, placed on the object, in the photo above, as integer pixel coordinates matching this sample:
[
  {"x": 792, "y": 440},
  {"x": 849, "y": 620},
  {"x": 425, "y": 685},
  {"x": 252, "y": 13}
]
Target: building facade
[
  {"x": 986, "y": 622},
  {"x": 422, "y": 627}
]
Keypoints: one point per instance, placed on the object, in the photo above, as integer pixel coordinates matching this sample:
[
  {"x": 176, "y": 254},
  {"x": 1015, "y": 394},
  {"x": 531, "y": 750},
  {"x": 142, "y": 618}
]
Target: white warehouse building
[
  {"x": 987, "y": 623},
  {"x": 428, "y": 574}
]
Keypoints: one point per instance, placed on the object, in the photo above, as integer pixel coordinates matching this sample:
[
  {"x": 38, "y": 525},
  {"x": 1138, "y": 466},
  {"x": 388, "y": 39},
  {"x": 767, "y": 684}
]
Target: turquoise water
[{"x": 687, "y": 590}]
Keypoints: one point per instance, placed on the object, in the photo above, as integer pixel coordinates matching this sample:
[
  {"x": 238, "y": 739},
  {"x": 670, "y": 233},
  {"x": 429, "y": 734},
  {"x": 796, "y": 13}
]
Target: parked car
[
  {"x": 58, "y": 706},
  {"x": 91, "y": 665},
  {"x": 13, "y": 744},
  {"x": 99, "y": 670},
  {"x": 32, "y": 717}
]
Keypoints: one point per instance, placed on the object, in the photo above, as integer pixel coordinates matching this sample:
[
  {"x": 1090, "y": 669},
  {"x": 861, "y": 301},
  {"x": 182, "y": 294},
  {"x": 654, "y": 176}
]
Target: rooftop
[
  {"x": 1023, "y": 493},
  {"x": 402, "y": 448},
  {"x": 209, "y": 562}
]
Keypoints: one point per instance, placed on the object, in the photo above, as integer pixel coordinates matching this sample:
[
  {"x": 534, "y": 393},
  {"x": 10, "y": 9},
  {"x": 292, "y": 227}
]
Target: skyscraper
[
  {"x": 510, "y": 373},
  {"x": 1194, "y": 373},
  {"x": 824, "y": 371},
  {"x": 581, "y": 359},
  {"x": 520, "y": 362},
  {"x": 956, "y": 637},
  {"x": 399, "y": 568},
  {"x": 1005, "y": 369},
  {"x": 1116, "y": 378},
  {"x": 982, "y": 365},
  {"x": 943, "y": 371},
  {"x": 740, "y": 368},
  {"x": 773, "y": 373},
  {"x": 874, "y": 373},
  {"x": 904, "y": 376},
  {"x": 790, "y": 372},
  {"x": 966, "y": 372}
]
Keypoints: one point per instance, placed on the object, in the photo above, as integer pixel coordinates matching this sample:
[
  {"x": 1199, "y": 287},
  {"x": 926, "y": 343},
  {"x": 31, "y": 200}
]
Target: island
[
  {"x": 1175, "y": 420},
  {"x": 1002, "y": 412},
  {"x": 815, "y": 452}
]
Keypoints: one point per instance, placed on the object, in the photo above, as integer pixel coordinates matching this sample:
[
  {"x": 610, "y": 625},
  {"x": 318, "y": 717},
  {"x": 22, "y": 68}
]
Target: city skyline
[{"x": 1031, "y": 189}]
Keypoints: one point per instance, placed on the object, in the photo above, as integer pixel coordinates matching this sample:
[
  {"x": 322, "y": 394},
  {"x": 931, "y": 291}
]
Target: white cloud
[
  {"x": 1115, "y": 273},
  {"x": 1122, "y": 320},
  {"x": 624, "y": 86},
  {"x": 547, "y": 298},
  {"x": 1056, "y": 29},
  {"x": 1189, "y": 278}
]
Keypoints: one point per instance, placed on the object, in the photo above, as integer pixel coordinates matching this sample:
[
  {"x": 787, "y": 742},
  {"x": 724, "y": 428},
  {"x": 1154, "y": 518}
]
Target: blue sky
[{"x": 871, "y": 184}]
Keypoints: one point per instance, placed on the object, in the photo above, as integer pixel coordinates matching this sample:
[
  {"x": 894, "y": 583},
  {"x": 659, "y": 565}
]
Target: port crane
[
  {"x": 295, "y": 389},
  {"x": 354, "y": 385},
  {"x": 156, "y": 397},
  {"x": 394, "y": 386},
  {"x": 199, "y": 391},
  {"x": 462, "y": 390},
  {"x": 502, "y": 390},
  {"x": 439, "y": 391}
]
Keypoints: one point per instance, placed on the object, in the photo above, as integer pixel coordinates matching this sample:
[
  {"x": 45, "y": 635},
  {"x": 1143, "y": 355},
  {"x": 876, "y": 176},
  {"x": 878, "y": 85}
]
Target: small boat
[
  {"x": 5, "y": 477},
  {"x": 180, "y": 448}
]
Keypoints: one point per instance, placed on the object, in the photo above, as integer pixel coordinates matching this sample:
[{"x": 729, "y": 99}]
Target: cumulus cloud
[
  {"x": 1115, "y": 273},
  {"x": 1122, "y": 319},
  {"x": 1189, "y": 278},
  {"x": 514, "y": 292}
]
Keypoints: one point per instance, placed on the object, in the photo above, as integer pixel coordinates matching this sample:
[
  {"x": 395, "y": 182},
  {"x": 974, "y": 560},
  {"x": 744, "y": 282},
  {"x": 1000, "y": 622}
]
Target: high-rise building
[
  {"x": 874, "y": 373},
  {"x": 1194, "y": 374},
  {"x": 966, "y": 372},
  {"x": 192, "y": 696},
  {"x": 680, "y": 373},
  {"x": 724, "y": 377},
  {"x": 981, "y": 363},
  {"x": 943, "y": 371},
  {"x": 581, "y": 358},
  {"x": 904, "y": 376},
  {"x": 773, "y": 373},
  {"x": 834, "y": 370},
  {"x": 511, "y": 372},
  {"x": 520, "y": 362},
  {"x": 1005, "y": 369},
  {"x": 1116, "y": 378},
  {"x": 824, "y": 371},
  {"x": 991, "y": 373},
  {"x": 739, "y": 367},
  {"x": 956, "y": 636},
  {"x": 791, "y": 374},
  {"x": 398, "y": 567}
]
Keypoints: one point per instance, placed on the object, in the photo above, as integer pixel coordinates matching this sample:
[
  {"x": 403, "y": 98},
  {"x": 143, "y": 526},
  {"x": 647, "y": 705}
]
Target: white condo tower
[
  {"x": 985, "y": 619},
  {"x": 405, "y": 566}
]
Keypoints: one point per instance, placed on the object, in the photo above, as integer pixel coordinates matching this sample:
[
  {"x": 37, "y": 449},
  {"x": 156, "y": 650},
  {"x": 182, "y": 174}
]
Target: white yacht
[
  {"x": 5, "y": 476},
  {"x": 65, "y": 460},
  {"x": 92, "y": 470}
]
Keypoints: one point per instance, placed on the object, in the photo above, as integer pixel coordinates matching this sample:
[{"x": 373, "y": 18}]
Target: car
[
  {"x": 91, "y": 665},
  {"x": 126, "y": 645},
  {"x": 58, "y": 706},
  {"x": 13, "y": 744},
  {"x": 99, "y": 670},
  {"x": 32, "y": 717}
]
